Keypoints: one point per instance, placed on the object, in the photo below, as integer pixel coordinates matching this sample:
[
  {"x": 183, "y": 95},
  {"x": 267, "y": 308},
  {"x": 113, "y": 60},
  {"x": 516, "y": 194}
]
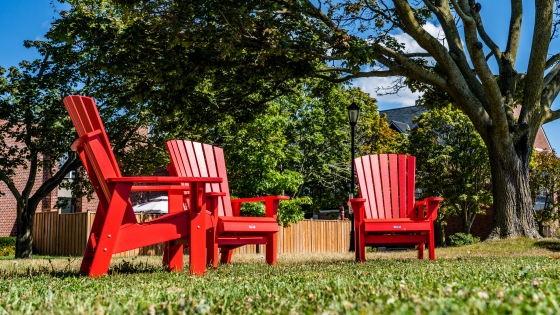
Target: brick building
[{"x": 8, "y": 203}]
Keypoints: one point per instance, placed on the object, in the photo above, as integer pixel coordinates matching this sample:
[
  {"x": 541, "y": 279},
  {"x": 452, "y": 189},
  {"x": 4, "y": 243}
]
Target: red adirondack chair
[
  {"x": 227, "y": 229},
  {"x": 387, "y": 214},
  {"x": 115, "y": 228}
]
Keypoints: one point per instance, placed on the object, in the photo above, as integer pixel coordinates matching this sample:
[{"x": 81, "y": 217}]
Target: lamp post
[{"x": 353, "y": 115}]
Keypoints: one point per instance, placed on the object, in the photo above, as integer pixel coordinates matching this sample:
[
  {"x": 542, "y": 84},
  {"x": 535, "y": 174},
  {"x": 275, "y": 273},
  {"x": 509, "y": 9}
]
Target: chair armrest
[
  {"x": 357, "y": 205},
  {"x": 432, "y": 206},
  {"x": 164, "y": 179},
  {"x": 271, "y": 204},
  {"x": 81, "y": 140},
  {"x": 260, "y": 199},
  {"x": 215, "y": 194}
]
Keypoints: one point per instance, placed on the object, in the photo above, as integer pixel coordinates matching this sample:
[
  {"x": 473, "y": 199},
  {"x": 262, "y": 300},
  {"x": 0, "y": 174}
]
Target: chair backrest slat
[
  {"x": 194, "y": 159},
  {"x": 394, "y": 183},
  {"x": 374, "y": 162},
  {"x": 191, "y": 158},
  {"x": 411, "y": 166},
  {"x": 99, "y": 157},
  {"x": 387, "y": 182},
  {"x": 402, "y": 185},
  {"x": 384, "y": 169},
  {"x": 362, "y": 170}
]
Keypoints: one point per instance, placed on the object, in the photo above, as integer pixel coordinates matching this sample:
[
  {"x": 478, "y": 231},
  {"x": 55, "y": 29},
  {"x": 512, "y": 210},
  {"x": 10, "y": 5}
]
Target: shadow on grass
[
  {"x": 550, "y": 245},
  {"x": 57, "y": 268}
]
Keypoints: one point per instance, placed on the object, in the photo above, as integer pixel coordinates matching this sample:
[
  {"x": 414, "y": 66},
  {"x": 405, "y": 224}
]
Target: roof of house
[{"x": 400, "y": 119}]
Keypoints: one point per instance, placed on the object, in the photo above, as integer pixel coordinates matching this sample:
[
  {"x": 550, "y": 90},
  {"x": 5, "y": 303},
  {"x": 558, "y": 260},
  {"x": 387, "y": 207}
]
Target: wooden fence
[{"x": 66, "y": 235}]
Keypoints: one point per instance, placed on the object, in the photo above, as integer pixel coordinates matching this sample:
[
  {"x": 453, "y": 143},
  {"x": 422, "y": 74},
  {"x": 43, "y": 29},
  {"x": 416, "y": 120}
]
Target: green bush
[
  {"x": 460, "y": 239},
  {"x": 289, "y": 211},
  {"x": 7, "y": 246}
]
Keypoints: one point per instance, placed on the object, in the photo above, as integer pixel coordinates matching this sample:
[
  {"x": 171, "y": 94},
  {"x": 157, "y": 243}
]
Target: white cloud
[
  {"x": 405, "y": 97},
  {"x": 412, "y": 46},
  {"x": 370, "y": 85}
]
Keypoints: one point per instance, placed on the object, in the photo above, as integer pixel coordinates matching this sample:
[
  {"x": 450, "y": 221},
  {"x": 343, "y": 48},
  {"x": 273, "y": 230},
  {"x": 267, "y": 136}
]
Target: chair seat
[
  {"x": 397, "y": 225},
  {"x": 247, "y": 225}
]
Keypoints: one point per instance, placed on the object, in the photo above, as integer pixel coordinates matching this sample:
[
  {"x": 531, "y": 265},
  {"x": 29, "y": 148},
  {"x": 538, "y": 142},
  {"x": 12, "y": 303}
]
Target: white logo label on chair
[
  {"x": 397, "y": 226},
  {"x": 252, "y": 227}
]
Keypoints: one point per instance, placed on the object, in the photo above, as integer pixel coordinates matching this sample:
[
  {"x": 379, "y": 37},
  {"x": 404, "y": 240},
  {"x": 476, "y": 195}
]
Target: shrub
[
  {"x": 460, "y": 239},
  {"x": 289, "y": 211},
  {"x": 7, "y": 246}
]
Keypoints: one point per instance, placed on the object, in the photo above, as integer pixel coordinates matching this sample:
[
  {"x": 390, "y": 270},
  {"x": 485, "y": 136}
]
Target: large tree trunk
[
  {"x": 513, "y": 207},
  {"x": 25, "y": 219}
]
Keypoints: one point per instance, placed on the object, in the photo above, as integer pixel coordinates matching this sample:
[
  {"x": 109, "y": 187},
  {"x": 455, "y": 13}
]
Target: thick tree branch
[
  {"x": 457, "y": 53},
  {"x": 550, "y": 91},
  {"x": 489, "y": 84},
  {"x": 32, "y": 174},
  {"x": 537, "y": 61},
  {"x": 552, "y": 116},
  {"x": 11, "y": 186},
  {"x": 551, "y": 74},
  {"x": 487, "y": 40},
  {"x": 430, "y": 6},
  {"x": 455, "y": 84},
  {"x": 71, "y": 164},
  {"x": 514, "y": 29},
  {"x": 463, "y": 15},
  {"x": 552, "y": 61},
  {"x": 418, "y": 54}
]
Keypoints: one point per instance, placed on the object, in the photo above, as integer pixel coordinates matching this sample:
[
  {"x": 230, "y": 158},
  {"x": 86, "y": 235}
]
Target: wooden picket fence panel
[{"x": 65, "y": 234}]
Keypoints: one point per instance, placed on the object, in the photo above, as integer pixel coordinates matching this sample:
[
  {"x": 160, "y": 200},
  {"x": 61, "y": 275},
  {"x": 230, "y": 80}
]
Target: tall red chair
[
  {"x": 115, "y": 228},
  {"x": 226, "y": 228},
  {"x": 386, "y": 213}
]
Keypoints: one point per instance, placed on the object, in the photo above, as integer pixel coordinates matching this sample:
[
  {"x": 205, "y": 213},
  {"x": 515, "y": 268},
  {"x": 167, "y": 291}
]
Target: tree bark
[
  {"x": 25, "y": 219},
  {"x": 513, "y": 209}
]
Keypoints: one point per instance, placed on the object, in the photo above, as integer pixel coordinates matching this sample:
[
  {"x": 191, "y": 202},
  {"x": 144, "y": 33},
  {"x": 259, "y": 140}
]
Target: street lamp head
[{"x": 353, "y": 113}]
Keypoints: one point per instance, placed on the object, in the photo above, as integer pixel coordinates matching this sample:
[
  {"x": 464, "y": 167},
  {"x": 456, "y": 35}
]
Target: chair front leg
[
  {"x": 111, "y": 224},
  {"x": 212, "y": 234},
  {"x": 432, "y": 245},
  {"x": 197, "y": 226},
  {"x": 173, "y": 253},
  {"x": 271, "y": 249}
]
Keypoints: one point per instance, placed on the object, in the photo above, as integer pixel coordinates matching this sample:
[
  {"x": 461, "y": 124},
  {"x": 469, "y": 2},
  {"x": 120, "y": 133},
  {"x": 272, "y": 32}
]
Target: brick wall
[
  {"x": 8, "y": 211},
  {"x": 482, "y": 225}
]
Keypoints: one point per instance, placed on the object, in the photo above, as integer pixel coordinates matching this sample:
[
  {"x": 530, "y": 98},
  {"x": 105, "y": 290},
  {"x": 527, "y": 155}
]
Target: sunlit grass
[{"x": 502, "y": 277}]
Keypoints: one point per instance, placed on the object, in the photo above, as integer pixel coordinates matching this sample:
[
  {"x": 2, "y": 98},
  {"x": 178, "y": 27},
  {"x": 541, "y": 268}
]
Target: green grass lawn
[{"x": 503, "y": 277}]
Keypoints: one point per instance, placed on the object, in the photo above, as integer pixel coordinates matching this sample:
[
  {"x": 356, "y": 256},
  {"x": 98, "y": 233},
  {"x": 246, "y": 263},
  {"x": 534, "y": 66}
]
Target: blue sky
[{"x": 30, "y": 19}]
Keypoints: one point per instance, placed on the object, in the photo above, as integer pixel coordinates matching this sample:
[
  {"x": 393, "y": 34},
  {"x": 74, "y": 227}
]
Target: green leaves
[
  {"x": 452, "y": 162},
  {"x": 544, "y": 176}
]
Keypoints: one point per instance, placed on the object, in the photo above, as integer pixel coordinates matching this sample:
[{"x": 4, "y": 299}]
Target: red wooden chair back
[
  {"x": 97, "y": 155},
  {"x": 195, "y": 159},
  {"x": 386, "y": 181}
]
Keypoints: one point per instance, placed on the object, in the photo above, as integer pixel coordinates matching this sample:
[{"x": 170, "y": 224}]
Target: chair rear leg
[
  {"x": 173, "y": 256},
  {"x": 225, "y": 258},
  {"x": 359, "y": 242},
  {"x": 421, "y": 250},
  {"x": 271, "y": 249}
]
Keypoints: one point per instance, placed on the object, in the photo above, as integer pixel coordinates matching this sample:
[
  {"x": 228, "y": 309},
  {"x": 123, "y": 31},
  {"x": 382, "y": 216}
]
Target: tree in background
[
  {"x": 172, "y": 47},
  {"x": 34, "y": 135},
  {"x": 452, "y": 162},
  {"x": 300, "y": 146},
  {"x": 545, "y": 187},
  {"x": 36, "y": 132}
]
